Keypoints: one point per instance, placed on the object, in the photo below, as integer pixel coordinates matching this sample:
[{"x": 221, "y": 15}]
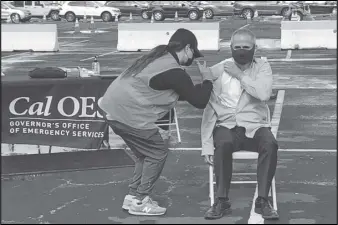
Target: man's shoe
[
  {"x": 128, "y": 200},
  {"x": 219, "y": 209},
  {"x": 146, "y": 207},
  {"x": 263, "y": 207}
]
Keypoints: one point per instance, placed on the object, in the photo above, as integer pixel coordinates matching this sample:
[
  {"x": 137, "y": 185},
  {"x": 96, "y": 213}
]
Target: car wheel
[
  {"x": 209, "y": 14},
  {"x": 54, "y": 15},
  {"x": 298, "y": 16},
  {"x": 15, "y": 18},
  {"x": 285, "y": 12},
  {"x": 193, "y": 15},
  {"x": 106, "y": 17},
  {"x": 144, "y": 15},
  {"x": 158, "y": 16},
  {"x": 247, "y": 13},
  {"x": 70, "y": 17}
]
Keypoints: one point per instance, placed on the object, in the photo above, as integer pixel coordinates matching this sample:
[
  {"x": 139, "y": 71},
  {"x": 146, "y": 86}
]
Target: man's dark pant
[
  {"x": 227, "y": 141},
  {"x": 151, "y": 153}
]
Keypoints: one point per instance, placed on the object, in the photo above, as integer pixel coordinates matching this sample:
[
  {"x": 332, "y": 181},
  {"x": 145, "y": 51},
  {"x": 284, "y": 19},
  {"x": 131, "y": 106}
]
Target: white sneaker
[
  {"x": 128, "y": 201},
  {"x": 146, "y": 207}
]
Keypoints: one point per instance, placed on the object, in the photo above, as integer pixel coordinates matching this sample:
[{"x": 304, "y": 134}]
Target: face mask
[
  {"x": 189, "y": 61},
  {"x": 243, "y": 56}
]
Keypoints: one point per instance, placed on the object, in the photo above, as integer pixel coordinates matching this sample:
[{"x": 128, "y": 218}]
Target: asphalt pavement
[{"x": 306, "y": 174}]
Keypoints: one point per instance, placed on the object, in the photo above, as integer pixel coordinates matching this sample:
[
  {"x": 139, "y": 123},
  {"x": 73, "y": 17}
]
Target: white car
[
  {"x": 39, "y": 9},
  {"x": 78, "y": 9},
  {"x": 16, "y": 15}
]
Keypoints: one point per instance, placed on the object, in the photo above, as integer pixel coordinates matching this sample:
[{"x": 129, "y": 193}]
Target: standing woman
[{"x": 141, "y": 95}]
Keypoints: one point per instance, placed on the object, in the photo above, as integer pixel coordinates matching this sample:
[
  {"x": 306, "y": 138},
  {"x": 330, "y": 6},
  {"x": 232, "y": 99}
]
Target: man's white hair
[{"x": 244, "y": 31}]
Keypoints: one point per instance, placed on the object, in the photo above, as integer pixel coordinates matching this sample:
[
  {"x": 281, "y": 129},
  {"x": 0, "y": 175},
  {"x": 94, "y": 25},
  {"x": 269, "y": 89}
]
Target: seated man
[{"x": 237, "y": 117}]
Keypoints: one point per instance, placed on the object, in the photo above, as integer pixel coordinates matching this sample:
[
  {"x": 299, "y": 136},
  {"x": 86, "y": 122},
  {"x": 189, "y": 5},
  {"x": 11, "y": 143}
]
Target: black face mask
[
  {"x": 243, "y": 56},
  {"x": 189, "y": 62}
]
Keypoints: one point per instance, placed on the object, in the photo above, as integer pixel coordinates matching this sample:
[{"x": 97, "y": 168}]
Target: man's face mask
[
  {"x": 243, "y": 54},
  {"x": 189, "y": 59}
]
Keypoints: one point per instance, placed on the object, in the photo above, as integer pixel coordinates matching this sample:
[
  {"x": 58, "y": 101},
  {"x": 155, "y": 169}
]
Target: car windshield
[
  {"x": 99, "y": 4},
  {"x": 9, "y": 5}
]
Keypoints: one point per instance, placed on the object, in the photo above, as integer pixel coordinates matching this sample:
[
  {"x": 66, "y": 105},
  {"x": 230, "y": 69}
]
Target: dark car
[
  {"x": 328, "y": 7},
  {"x": 127, "y": 7},
  {"x": 167, "y": 9},
  {"x": 247, "y": 9},
  {"x": 216, "y": 8}
]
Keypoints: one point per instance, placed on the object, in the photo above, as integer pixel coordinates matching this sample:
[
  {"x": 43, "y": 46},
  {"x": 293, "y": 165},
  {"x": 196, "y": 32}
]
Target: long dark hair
[{"x": 146, "y": 59}]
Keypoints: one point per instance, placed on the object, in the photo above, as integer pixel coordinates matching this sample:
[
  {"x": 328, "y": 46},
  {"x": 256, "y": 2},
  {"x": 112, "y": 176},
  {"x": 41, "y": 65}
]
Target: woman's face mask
[
  {"x": 243, "y": 55},
  {"x": 190, "y": 58}
]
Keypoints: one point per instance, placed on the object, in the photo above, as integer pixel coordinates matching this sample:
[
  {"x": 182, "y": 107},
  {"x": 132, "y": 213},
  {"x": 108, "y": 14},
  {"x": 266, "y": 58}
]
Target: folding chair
[
  {"x": 170, "y": 121},
  {"x": 242, "y": 155}
]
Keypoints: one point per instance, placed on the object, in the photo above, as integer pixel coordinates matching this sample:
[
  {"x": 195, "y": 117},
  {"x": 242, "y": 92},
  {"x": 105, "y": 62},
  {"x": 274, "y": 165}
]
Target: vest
[{"x": 133, "y": 102}]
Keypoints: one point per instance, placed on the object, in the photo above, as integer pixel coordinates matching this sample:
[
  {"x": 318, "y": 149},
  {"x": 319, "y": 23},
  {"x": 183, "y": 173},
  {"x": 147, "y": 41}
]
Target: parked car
[
  {"x": 16, "y": 15},
  {"x": 39, "y": 8},
  {"x": 216, "y": 8},
  {"x": 127, "y": 7},
  {"x": 163, "y": 9},
  {"x": 246, "y": 9},
  {"x": 78, "y": 9},
  {"x": 327, "y": 7}
]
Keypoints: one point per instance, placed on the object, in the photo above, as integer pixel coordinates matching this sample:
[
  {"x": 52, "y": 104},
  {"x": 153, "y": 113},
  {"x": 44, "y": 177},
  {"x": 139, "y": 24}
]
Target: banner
[{"x": 54, "y": 112}]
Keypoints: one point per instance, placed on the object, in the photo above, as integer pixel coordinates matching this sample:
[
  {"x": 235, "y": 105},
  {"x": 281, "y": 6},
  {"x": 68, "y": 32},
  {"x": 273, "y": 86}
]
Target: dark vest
[{"x": 133, "y": 102}]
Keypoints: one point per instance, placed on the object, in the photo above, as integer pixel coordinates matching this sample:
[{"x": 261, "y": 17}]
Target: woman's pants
[{"x": 151, "y": 152}]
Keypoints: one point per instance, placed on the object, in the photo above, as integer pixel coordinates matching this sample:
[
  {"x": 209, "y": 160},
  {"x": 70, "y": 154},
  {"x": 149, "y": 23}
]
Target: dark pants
[
  {"x": 227, "y": 141},
  {"x": 151, "y": 153}
]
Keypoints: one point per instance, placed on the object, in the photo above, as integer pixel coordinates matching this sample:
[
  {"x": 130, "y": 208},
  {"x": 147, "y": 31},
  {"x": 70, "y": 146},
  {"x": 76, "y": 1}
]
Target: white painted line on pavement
[
  {"x": 108, "y": 53},
  {"x": 302, "y": 60},
  {"x": 18, "y": 54},
  {"x": 72, "y": 43},
  {"x": 244, "y": 26},
  {"x": 280, "y": 150},
  {"x": 288, "y": 54}
]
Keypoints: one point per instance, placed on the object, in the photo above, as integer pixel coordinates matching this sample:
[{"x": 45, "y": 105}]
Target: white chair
[
  {"x": 242, "y": 155},
  {"x": 164, "y": 122},
  {"x": 254, "y": 155}
]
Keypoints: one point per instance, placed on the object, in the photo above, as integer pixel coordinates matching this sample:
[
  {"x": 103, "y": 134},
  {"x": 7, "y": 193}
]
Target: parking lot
[{"x": 306, "y": 173}]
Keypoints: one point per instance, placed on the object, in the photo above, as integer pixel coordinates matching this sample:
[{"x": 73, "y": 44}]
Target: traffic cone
[
  {"x": 44, "y": 17},
  {"x": 116, "y": 18},
  {"x": 2, "y": 74},
  {"x": 152, "y": 19},
  {"x": 85, "y": 18},
  {"x": 256, "y": 14},
  {"x": 130, "y": 16},
  {"x": 204, "y": 17},
  {"x": 176, "y": 16},
  {"x": 92, "y": 25},
  {"x": 77, "y": 26}
]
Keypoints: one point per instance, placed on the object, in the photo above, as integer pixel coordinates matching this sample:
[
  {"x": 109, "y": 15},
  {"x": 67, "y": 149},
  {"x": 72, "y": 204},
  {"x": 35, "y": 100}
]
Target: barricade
[
  {"x": 29, "y": 37},
  {"x": 309, "y": 34},
  {"x": 145, "y": 36}
]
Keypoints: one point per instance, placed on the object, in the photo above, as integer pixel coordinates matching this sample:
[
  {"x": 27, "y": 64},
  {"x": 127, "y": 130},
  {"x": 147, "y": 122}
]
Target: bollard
[
  {"x": 2, "y": 74},
  {"x": 152, "y": 19},
  {"x": 44, "y": 18},
  {"x": 130, "y": 16},
  {"x": 77, "y": 26},
  {"x": 176, "y": 16},
  {"x": 256, "y": 14},
  {"x": 116, "y": 18},
  {"x": 92, "y": 25}
]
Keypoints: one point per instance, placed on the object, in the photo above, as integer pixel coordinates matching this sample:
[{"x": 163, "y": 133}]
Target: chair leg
[
  {"x": 274, "y": 194},
  {"x": 211, "y": 185}
]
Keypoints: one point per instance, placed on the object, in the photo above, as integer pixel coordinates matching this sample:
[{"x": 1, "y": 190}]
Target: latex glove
[{"x": 209, "y": 159}]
